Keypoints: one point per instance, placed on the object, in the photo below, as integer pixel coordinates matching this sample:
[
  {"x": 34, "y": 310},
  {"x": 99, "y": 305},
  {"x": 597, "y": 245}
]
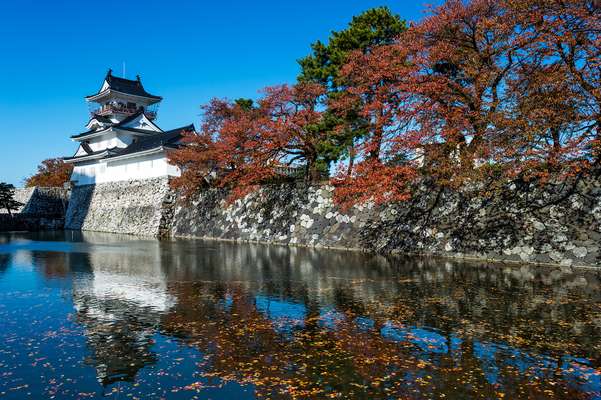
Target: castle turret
[
  {"x": 119, "y": 98},
  {"x": 122, "y": 141}
]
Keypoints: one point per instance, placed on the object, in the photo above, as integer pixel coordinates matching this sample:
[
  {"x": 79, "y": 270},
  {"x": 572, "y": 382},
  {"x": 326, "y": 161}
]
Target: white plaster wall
[
  {"x": 84, "y": 174},
  {"x": 80, "y": 151},
  {"x": 142, "y": 123},
  {"x": 151, "y": 166},
  {"x": 103, "y": 142}
]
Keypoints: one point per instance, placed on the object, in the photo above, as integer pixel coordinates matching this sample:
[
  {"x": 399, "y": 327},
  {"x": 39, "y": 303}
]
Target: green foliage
[
  {"x": 245, "y": 104},
  {"x": 7, "y": 200},
  {"x": 374, "y": 27}
]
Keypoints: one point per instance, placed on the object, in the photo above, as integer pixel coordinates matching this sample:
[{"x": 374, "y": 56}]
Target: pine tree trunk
[{"x": 312, "y": 173}]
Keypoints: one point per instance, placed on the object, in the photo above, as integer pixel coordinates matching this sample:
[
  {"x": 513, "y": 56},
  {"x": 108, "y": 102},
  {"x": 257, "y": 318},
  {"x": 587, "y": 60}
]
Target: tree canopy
[
  {"x": 53, "y": 172},
  {"x": 480, "y": 92},
  {"x": 366, "y": 32},
  {"x": 374, "y": 27}
]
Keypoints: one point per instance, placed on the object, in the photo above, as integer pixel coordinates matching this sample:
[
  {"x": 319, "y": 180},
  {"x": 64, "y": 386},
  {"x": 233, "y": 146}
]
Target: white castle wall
[{"x": 146, "y": 167}]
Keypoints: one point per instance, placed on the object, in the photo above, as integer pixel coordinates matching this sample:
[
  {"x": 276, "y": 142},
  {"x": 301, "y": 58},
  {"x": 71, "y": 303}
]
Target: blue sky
[{"x": 53, "y": 53}]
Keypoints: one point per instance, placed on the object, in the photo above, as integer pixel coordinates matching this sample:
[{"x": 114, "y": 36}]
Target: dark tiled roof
[
  {"x": 101, "y": 118},
  {"x": 86, "y": 147},
  {"x": 166, "y": 139},
  {"x": 159, "y": 139},
  {"x": 137, "y": 130},
  {"x": 83, "y": 134},
  {"x": 118, "y": 125},
  {"x": 133, "y": 87},
  {"x": 93, "y": 153}
]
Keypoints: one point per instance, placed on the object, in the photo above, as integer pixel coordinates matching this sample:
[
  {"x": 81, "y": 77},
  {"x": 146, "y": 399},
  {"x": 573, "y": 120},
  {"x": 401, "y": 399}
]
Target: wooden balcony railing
[{"x": 123, "y": 110}]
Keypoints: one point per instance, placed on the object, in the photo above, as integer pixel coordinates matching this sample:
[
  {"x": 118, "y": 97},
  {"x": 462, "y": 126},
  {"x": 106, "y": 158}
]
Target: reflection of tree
[
  {"x": 241, "y": 343},
  {"x": 4, "y": 262},
  {"x": 498, "y": 303}
]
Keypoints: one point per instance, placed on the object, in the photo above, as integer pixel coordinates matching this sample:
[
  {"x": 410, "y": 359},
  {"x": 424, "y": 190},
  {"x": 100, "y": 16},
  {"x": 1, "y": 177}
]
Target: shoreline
[{"x": 394, "y": 254}]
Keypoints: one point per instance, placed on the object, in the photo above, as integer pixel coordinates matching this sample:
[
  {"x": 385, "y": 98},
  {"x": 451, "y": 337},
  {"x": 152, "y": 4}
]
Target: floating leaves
[{"x": 331, "y": 329}]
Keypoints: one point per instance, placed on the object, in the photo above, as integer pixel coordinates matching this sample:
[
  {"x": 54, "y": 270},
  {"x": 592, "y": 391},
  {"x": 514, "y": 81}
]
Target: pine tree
[
  {"x": 7, "y": 198},
  {"x": 368, "y": 30}
]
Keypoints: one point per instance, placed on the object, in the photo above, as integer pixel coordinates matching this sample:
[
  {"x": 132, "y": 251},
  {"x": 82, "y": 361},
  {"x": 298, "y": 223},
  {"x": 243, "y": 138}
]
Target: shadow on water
[{"x": 178, "y": 317}]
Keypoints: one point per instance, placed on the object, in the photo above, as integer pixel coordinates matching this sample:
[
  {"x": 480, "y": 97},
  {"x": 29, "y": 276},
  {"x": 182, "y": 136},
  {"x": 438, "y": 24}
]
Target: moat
[{"x": 87, "y": 316}]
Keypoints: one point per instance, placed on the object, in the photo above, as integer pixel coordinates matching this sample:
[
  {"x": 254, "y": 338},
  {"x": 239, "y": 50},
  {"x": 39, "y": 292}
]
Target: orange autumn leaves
[
  {"x": 51, "y": 173},
  {"x": 478, "y": 92},
  {"x": 243, "y": 144}
]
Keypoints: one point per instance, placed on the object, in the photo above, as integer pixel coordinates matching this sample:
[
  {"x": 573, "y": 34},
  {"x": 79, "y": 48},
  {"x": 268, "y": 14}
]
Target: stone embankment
[
  {"x": 43, "y": 209},
  {"x": 560, "y": 224},
  {"x": 128, "y": 207}
]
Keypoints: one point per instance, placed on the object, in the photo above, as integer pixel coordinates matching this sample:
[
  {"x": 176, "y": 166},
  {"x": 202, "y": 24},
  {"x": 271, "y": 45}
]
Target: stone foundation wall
[
  {"x": 42, "y": 201},
  {"x": 128, "y": 207},
  {"x": 30, "y": 223},
  {"x": 22, "y": 195},
  {"x": 43, "y": 209},
  {"x": 558, "y": 224}
]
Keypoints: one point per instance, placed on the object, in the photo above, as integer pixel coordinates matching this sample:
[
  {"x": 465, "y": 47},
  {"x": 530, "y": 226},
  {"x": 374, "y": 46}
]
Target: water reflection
[
  {"x": 180, "y": 317},
  {"x": 4, "y": 262}
]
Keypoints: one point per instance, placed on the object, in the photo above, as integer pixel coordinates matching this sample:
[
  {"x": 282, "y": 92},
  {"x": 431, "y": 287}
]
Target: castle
[{"x": 122, "y": 141}]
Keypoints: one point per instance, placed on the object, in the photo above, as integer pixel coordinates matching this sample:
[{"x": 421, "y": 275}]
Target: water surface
[{"x": 85, "y": 316}]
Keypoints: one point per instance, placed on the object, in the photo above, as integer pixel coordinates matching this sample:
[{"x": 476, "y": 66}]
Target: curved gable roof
[
  {"x": 127, "y": 86},
  {"x": 165, "y": 139},
  {"x": 123, "y": 125}
]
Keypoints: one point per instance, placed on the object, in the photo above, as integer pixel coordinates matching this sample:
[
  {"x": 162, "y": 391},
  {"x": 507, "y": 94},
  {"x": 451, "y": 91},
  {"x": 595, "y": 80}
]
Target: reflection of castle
[{"x": 120, "y": 303}]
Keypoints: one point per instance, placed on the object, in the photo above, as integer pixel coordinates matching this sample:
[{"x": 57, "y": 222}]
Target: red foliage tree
[
  {"x": 569, "y": 45},
  {"x": 482, "y": 91},
  {"x": 479, "y": 93},
  {"x": 53, "y": 172},
  {"x": 244, "y": 145},
  {"x": 296, "y": 128},
  {"x": 220, "y": 146},
  {"x": 384, "y": 170}
]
